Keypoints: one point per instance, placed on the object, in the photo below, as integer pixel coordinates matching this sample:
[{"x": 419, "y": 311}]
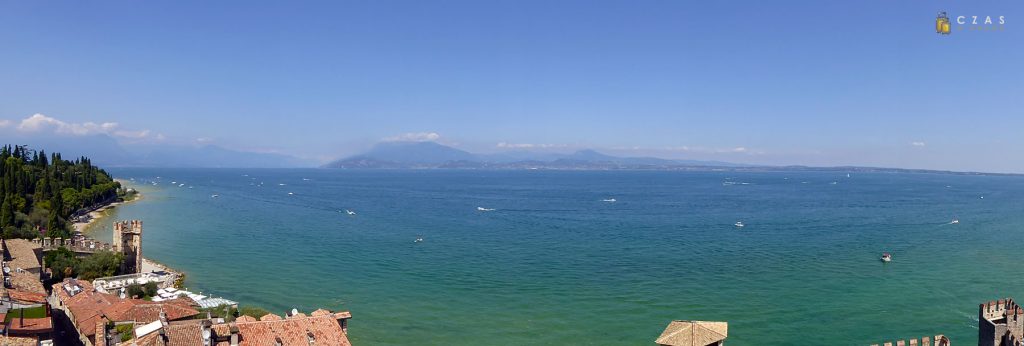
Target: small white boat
[
  {"x": 609, "y": 200},
  {"x": 281, "y": 184},
  {"x": 418, "y": 240},
  {"x": 835, "y": 182},
  {"x": 180, "y": 185},
  {"x": 214, "y": 196},
  {"x": 886, "y": 257},
  {"x": 739, "y": 224},
  {"x": 847, "y": 175},
  {"x": 484, "y": 209},
  {"x": 349, "y": 212},
  {"x": 955, "y": 221},
  {"x": 291, "y": 193}
]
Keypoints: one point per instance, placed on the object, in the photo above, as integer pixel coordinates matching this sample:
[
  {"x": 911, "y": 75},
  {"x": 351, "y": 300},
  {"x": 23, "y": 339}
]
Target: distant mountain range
[
  {"x": 105, "y": 151},
  {"x": 434, "y": 155}
]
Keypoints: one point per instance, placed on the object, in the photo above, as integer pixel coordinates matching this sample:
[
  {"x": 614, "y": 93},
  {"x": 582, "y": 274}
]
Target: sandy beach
[{"x": 96, "y": 215}]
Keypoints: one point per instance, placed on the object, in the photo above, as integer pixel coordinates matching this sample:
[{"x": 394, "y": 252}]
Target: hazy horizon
[{"x": 799, "y": 83}]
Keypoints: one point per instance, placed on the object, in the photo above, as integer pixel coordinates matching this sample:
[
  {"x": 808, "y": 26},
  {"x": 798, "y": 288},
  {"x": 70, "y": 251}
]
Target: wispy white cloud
[
  {"x": 917, "y": 144},
  {"x": 707, "y": 150},
  {"x": 414, "y": 137},
  {"x": 40, "y": 123}
]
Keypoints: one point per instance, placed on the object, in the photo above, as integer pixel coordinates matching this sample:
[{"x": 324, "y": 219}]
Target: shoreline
[
  {"x": 148, "y": 265},
  {"x": 96, "y": 215}
]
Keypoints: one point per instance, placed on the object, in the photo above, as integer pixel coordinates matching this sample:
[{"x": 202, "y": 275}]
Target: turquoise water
[{"x": 554, "y": 265}]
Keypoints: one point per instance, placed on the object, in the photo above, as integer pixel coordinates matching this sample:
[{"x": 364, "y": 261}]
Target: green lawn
[{"x": 36, "y": 312}]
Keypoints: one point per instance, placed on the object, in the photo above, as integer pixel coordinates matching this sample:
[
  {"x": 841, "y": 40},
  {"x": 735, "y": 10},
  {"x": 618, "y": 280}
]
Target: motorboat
[
  {"x": 886, "y": 257},
  {"x": 483, "y": 209},
  {"x": 349, "y": 212},
  {"x": 739, "y": 224}
]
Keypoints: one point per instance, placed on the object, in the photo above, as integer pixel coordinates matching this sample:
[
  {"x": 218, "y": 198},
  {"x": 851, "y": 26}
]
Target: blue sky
[{"x": 787, "y": 82}]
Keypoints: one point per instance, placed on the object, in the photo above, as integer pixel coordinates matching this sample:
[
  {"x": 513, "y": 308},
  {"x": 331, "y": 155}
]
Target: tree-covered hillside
[{"x": 41, "y": 192}]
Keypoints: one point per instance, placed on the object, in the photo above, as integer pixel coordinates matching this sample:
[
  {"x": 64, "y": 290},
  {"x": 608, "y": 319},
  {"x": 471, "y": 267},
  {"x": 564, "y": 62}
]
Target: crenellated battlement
[
  {"x": 80, "y": 245},
  {"x": 128, "y": 226},
  {"x": 938, "y": 340},
  {"x": 999, "y": 309}
]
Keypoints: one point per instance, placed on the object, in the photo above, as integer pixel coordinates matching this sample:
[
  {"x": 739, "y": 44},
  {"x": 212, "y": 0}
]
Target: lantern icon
[{"x": 942, "y": 23}]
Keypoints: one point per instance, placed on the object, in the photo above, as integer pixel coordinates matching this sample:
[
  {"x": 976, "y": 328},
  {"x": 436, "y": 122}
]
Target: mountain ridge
[{"x": 435, "y": 155}]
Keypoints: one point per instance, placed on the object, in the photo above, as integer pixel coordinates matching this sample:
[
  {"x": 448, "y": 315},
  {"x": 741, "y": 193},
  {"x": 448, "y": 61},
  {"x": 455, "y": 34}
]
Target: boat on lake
[{"x": 886, "y": 257}]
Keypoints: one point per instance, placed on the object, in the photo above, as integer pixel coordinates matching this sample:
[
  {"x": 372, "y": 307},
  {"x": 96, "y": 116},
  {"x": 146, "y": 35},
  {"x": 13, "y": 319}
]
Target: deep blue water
[{"x": 554, "y": 264}]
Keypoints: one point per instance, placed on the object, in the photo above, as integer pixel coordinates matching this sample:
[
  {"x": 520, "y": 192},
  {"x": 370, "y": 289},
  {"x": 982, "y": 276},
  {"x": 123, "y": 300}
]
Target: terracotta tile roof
[
  {"x": 23, "y": 254},
  {"x": 88, "y": 306},
  {"x": 320, "y": 312},
  {"x": 28, "y": 297},
  {"x": 246, "y": 318},
  {"x": 325, "y": 329},
  {"x": 30, "y": 325},
  {"x": 27, "y": 281},
  {"x": 190, "y": 334},
  {"x": 693, "y": 333},
  {"x": 270, "y": 317},
  {"x": 18, "y": 341}
]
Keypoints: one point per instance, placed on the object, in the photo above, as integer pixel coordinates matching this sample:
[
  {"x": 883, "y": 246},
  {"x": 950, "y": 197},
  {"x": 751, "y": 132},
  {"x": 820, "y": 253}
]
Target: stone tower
[
  {"x": 128, "y": 241},
  {"x": 1000, "y": 323}
]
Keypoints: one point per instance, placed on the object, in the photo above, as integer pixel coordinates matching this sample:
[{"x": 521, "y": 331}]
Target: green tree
[
  {"x": 62, "y": 263},
  {"x": 6, "y": 213},
  {"x": 99, "y": 264}
]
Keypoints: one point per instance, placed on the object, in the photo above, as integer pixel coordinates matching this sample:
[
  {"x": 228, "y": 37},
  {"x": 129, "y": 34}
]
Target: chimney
[
  {"x": 207, "y": 333},
  {"x": 277, "y": 341},
  {"x": 163, "y": 317},
  {"x": 234, "y": 334},
  {"x": 310, "y": 338},
  {"x": 163, "y": 336}
]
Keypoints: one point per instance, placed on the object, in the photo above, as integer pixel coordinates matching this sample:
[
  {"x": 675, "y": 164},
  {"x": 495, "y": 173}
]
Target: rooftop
[
  {"x": 30, "y": 325},
  {"x": 23, "y": 254},
  {"x": 87, "y": 306},
  {"x": 693, "y": 333},
  {"x": 322, "y": 328}
]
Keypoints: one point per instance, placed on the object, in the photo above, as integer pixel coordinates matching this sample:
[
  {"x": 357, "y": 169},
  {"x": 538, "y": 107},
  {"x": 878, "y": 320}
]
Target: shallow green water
[{"x": 553, "y": 264}]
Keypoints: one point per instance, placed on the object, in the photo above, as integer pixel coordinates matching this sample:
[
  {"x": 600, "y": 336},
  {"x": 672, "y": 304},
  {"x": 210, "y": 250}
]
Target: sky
[{"x": 819, "y": 83}]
